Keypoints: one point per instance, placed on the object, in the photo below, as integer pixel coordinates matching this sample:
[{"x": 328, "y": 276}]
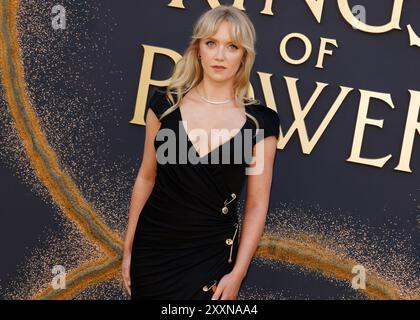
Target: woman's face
[{"x": 218, "y": 50}]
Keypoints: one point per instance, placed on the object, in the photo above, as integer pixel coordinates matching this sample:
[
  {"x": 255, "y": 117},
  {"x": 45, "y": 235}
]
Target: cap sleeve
[
  {"x": 270, "y": 123},
  {"x": 158, "y": 102}
]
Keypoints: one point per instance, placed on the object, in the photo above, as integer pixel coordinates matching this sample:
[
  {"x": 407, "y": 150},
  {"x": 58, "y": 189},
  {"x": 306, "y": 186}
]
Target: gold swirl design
[
  {"x": 309, "y": 254},
  {"x": 47, "y": 167}
]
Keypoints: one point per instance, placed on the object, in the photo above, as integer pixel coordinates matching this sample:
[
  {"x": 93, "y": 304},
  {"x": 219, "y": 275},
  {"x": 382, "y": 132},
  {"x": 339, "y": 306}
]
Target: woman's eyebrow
[{"x": 211, "y": 38}]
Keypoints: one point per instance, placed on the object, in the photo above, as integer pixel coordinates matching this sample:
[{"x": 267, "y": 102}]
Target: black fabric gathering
[{"x": 187, "y": 235}]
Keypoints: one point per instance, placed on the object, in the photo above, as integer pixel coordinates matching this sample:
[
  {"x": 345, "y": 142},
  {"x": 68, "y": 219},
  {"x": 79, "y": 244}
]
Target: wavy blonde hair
[{"x": 188, "y": 72}]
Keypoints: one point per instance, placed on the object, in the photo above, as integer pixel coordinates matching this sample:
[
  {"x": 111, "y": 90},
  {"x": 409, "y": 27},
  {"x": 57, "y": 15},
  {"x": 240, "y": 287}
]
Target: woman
[{"x": 182, "y": 239}]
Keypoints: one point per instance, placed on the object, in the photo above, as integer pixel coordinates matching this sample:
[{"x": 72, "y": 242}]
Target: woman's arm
[
  {"x": 256, "y": 206},
  {"x": 142, "y": 188},
  {"x": 255, "y": 213}
]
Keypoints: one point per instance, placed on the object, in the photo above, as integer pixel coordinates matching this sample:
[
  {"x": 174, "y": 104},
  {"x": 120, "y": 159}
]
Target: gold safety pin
[
  {"x": 207, "y": 288},
  {"x": 230, "y": 242},
  {"x": 225, "y": 209}
]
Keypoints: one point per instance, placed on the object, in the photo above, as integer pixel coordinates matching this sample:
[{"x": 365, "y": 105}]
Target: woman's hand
[
  {"x": 228, "y": 287},
  {"x": 126, "y": 272}
]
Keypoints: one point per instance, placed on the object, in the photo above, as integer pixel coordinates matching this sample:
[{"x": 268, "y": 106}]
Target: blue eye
[{"x": 208, "y": 42}]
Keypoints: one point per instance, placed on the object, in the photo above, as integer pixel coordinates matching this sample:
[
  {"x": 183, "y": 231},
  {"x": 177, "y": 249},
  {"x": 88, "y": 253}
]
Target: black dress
[{"x": 187, "y": 234}]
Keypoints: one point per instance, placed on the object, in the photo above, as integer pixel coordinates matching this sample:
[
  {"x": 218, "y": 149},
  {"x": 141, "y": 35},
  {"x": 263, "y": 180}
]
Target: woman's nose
[{"x": 220, "y": 52}]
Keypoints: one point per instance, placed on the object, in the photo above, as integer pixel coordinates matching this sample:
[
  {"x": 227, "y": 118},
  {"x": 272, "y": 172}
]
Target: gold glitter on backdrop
[{"x": 290, "y": 244}]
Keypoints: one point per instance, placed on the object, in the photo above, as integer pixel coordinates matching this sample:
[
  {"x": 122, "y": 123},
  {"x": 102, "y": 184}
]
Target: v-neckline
[{"x": 214, "y": 149}]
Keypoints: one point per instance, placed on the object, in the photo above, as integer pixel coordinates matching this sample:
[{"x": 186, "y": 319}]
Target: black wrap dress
[{"x": 187, "y": 234}]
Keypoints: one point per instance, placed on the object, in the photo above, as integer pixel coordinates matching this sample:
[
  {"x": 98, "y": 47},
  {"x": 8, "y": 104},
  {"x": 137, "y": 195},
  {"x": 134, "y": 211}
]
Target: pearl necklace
[{"x": 213, "y": 102}]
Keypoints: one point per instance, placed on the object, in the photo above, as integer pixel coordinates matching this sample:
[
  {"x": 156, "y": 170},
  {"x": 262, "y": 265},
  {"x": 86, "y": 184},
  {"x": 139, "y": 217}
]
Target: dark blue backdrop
[{"x": 99, "y": 57}]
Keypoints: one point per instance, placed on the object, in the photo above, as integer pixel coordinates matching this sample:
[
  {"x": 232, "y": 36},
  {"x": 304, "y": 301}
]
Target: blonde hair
[{"x": 188, "y": 72}]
